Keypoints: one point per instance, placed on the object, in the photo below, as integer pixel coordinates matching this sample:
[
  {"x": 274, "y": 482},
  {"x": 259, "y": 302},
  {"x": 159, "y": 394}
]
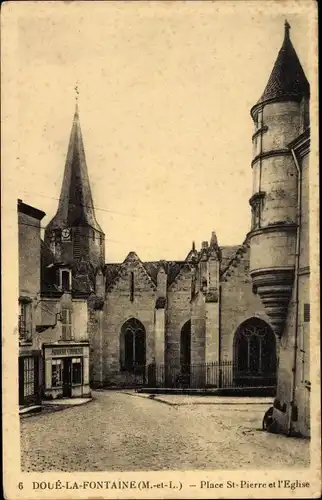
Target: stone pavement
[{"x": 121, "y": 432}]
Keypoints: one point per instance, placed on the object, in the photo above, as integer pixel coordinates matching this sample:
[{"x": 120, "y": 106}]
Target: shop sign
[{"x": 66, "y": 351}]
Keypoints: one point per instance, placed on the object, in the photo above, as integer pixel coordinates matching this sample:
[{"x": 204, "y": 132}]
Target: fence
[{"x": 206, "y": 376}]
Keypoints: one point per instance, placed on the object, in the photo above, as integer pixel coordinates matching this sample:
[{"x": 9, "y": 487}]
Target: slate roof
[
  {"x": 287, "y": 77},
  {"x": 172, "y": 267},
  {"x": 75, "y": 206}
]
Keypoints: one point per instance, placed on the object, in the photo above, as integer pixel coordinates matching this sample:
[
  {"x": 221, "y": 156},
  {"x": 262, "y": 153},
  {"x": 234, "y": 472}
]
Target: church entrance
[
  {"x": 133, "y": 351},
  {"x": 255, "y": 354},
  {"x": 185, "y": 354}
]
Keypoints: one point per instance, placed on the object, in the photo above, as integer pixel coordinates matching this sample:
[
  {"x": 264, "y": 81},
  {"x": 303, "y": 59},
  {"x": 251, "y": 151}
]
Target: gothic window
[
  {"x": 257, "y": 203},
  {"x": 25, "y": 322},
  {"x": 132, "y": 345},
  {"x": 66, "y": 319},
  {"x": 256, "y": 215},
  {"x": 255, "y": 350},
  {"x": 185, "y": 347}
]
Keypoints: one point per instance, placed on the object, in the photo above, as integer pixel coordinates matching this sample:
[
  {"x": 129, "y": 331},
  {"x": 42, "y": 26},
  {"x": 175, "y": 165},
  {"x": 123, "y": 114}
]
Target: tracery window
[
  {"x": 132, "y": 345},
  {"x": 255, "y": 348}
]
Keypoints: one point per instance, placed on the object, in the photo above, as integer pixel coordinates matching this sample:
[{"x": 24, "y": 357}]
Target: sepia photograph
[{"x": 160, "y": 249}]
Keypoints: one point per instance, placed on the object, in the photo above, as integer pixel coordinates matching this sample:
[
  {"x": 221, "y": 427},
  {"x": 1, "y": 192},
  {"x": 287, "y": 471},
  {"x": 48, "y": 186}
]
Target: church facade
[{"x": 224, "y": 316}]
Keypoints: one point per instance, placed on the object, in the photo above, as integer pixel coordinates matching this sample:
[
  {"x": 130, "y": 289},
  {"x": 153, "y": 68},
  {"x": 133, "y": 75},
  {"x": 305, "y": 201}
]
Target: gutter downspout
[{"x": 297, "y": 265}]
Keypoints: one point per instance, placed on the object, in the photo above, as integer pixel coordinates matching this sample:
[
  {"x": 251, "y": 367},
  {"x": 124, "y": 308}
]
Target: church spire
[{"x": 75, "y": 206}]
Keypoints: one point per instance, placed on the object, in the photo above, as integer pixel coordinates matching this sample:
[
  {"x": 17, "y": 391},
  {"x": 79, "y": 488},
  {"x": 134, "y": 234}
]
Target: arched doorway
[
  {"x": 255, "y": 354},
  {"x": 132, "y": 346},
  {"x": 185, "y": 348}
]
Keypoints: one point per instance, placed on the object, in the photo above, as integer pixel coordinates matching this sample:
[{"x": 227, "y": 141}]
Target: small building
[
  {"x": 62, "y": 333},
  {"x": 29, "y": 243}
]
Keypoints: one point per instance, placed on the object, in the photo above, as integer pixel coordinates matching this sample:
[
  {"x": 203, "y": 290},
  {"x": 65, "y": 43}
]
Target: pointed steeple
[
  {"x": 287, "y": 79},
  {"x": 75, "y": 206}
]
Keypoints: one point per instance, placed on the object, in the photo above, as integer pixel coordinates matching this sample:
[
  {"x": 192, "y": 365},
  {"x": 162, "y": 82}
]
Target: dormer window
[{"x": 65, "y": 280}]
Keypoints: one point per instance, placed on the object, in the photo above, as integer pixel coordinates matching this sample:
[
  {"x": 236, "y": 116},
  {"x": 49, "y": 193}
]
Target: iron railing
[{"x": 206, "y": 376}]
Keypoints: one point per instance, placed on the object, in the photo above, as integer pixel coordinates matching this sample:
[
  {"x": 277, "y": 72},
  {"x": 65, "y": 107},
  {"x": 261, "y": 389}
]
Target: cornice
[
  {"x": 270, "y": 154},
  {"x": 259, "y": 131},
  {"x": 272, "y": 228},
  {"x": 291, "y": 97},
  {"x": 301, "y": 145},
  {"x": 33, "y": 212}
]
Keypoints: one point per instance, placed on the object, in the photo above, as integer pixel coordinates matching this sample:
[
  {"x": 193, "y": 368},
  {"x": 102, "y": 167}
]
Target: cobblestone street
[{"x": 121, "y": 431}]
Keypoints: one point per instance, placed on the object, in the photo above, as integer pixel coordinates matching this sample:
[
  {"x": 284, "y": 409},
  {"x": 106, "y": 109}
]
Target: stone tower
[
  {"x": 74, "y": 235},
  {"x": 278, "y": 117}
]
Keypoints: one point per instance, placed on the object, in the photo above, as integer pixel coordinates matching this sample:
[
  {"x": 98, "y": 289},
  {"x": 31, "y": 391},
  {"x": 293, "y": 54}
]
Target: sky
[{"x": 165, "y": 91}]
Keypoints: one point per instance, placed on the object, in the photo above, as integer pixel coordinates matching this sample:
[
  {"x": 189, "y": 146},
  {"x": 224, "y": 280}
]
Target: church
[{"x": 225, "y": 316}]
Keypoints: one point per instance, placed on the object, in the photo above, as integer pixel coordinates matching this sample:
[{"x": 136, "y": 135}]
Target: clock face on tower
[{"x": 65, "y": 234}]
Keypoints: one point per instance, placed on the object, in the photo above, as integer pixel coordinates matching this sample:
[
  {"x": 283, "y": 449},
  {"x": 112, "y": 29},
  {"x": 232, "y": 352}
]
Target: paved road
[{"x": 122, "y": 432}]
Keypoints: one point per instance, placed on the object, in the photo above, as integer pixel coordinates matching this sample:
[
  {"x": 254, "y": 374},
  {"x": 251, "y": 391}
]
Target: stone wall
[
  {"x": 295, "y": 341},
  {"x": 198, "y": 328},
  {"x": 238, "y": 303},
  {"x": 29, "y": 255},
  {"x": 119, "y": 308},
  {"x": 178, "y": 313}
]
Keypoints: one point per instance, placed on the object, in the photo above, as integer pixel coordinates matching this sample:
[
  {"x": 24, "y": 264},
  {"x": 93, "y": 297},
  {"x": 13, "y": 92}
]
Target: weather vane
[{"x": 77, "y": 91}]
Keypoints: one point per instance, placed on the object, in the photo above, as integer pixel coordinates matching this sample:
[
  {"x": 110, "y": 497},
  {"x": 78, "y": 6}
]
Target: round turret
[{"x": 277, "y": 119}]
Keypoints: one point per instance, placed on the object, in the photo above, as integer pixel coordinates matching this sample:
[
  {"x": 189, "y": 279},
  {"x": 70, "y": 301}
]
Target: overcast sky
[{"x": 165, "y": 94}]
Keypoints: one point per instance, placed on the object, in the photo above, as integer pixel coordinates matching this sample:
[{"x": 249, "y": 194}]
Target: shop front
[{"x": 66, "y": 369}]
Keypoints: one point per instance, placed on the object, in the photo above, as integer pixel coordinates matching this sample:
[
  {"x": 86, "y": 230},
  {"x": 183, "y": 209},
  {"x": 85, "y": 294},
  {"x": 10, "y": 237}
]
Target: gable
[{"x": 117, "y": 272}]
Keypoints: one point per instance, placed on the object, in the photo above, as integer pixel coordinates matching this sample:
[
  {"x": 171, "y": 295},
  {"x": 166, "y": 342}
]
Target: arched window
[
  {"x": 132, "y": 345},
  {"x": 255, "y": 352},
  {"x": 185, "y": 347}
]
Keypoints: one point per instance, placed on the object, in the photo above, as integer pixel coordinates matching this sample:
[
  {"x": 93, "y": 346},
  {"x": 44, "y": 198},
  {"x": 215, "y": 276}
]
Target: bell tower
[
  {"x": 74, "y": 234},
  {"x": 277, "y": 118}
]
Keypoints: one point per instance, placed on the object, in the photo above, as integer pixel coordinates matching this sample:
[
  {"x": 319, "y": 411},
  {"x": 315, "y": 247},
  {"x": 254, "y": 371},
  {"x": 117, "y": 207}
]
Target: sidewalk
[
  {"x": 52, "y": 406},
  {"x": 67, "y": 401},
  {"x": 186, "y": 399}
]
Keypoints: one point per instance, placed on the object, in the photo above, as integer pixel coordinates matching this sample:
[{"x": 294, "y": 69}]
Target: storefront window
[
  {"x": 56, "y": 373},
  {"x": 29, "y": 376},
  {"x": 77, "y": 371}
]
